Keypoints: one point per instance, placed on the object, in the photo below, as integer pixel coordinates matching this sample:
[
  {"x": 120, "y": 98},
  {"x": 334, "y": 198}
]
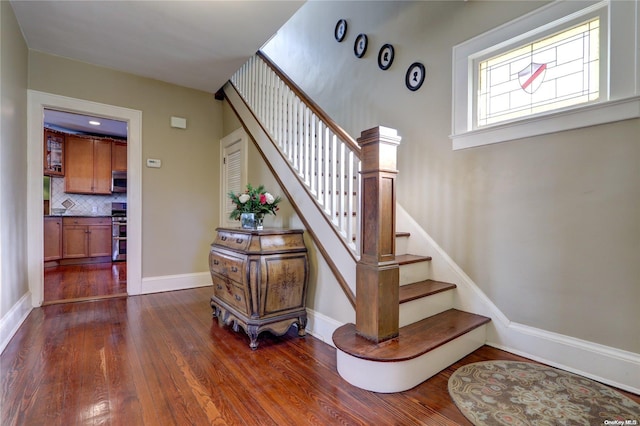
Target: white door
[{"x": 234, "y": 172}]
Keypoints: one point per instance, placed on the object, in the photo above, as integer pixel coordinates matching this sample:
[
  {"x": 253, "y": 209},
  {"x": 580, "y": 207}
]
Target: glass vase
[{"x": 251, "y": 221}]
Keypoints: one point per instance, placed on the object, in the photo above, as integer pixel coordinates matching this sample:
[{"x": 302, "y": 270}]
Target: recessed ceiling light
[{"x": 94, "y": 123}]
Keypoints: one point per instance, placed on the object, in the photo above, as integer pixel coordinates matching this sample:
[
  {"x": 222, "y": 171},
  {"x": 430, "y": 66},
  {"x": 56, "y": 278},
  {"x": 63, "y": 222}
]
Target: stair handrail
[{"x": 324, "y": 156}]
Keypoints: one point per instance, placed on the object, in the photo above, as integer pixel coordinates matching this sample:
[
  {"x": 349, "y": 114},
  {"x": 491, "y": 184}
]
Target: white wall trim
[
  {"x": 10, "y": 323},
  {"x": 36, "y": 103},
  {"x": 619, "y": 88},
  {"x": 556, "y": 121},
  {"x": 606, "y": 364},
  {"x": 175, "y": 282},
  {"x": 321, "y": 326},
  {"x": 237, "y": 136}
]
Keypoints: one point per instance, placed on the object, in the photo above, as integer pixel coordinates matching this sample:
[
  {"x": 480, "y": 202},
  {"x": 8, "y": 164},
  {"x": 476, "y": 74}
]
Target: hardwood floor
[
  {"x": 73, "y": 283},
  {"x": 160, "y": 359}
]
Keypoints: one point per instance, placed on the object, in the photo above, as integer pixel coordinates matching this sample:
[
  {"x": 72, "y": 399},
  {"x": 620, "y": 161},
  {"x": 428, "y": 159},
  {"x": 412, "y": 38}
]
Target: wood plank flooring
[
  {"x": 73, "y": 283},
  {"x": 161, "y": 359}
]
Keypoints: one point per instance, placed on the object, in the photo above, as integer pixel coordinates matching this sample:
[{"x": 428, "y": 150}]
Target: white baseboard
[
  {"x": 175, "y": 282},
  {"x": 614, "y": 367},
  {"x": 605, "y": 364},
  {"x": 10, "y": 323},
  {"x": 321, "y": 326}
]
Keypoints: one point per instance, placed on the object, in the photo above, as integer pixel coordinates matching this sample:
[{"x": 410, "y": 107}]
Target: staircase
[
  {"x": 343, "y": 189},
  {"x": 433, "y": 335}
]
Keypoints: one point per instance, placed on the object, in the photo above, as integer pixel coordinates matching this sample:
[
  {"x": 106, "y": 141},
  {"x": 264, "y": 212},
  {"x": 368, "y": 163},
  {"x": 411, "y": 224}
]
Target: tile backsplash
[{"x": 84, "y": 204}]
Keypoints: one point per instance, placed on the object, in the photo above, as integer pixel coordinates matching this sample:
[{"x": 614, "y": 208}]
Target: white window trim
[{"x": 619, "y": 99}]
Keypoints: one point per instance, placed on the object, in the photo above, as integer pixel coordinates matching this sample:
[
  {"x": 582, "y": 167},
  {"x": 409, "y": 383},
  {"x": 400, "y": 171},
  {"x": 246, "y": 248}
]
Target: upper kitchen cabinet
[
  {"x": 119, "y": 156},
  {"x": 53, "y": 153},
  {"x": 88, "y": 165}
]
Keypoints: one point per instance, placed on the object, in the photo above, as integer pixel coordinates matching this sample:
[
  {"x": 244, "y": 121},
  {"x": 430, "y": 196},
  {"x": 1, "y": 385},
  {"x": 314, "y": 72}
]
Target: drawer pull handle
[
  {"x": 234, "y": 269},
  {"x": 238, "y": 298},
  {"x": 239, "y": 241},
  {"x": 223, "y": 238},
  {"x": 216, "y": 262}
]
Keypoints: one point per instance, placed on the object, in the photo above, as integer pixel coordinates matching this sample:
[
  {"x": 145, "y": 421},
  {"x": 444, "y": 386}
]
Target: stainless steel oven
[{"x": 119, "y": 231}]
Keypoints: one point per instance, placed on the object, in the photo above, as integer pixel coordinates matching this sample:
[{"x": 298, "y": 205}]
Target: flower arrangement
[{"x": 254, "y": 200}]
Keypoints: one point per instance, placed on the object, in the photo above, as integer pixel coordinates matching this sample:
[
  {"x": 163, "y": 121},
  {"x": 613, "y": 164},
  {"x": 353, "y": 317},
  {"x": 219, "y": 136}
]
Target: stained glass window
[{"x": 551, "y": 73}]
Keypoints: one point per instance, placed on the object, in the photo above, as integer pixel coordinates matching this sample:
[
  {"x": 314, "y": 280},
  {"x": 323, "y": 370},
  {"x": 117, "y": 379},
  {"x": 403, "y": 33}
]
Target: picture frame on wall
[
  {"x": 340, "y": 31},
  {"x": 415, "y": 76},
  {"x": 360, "y": 45},
  {"x": 385, "y": 57}
]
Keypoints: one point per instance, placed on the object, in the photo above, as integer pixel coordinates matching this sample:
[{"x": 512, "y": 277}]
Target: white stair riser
[
  {"x": 387, "y": 377},
  {"x": 425, "y": 307},
  {"x": 415, "y": 272},
  {"x": 402, "y": 245}
]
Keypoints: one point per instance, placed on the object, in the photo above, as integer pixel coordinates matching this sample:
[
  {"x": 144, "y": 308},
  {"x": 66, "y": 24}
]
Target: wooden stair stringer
[{"x": 421, "y": 350}]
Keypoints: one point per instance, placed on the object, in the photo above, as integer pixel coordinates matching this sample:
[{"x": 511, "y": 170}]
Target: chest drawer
[
  {"x": 233, "y": 240},
  {"x": 228, "y": 291},
  {"x": 227, "y": 265}
]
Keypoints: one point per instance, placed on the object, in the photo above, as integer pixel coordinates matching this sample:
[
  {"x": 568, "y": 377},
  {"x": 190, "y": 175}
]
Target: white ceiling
[
  {"x": 67, "y": 121},
  {"x": 196, "y": 44}
]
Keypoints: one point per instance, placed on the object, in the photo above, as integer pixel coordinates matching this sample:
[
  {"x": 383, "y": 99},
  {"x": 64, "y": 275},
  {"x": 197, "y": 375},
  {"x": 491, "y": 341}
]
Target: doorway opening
[
  {"x": 38, "y": 103},
  {"x": 85, "y": 199}
]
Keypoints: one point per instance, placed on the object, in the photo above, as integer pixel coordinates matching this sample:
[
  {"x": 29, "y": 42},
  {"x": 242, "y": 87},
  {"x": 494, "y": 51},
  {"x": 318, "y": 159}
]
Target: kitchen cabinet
[
  {"x": 52, "y": 238},
  {"x": 53, "y": 153},
  {"x": 259, "y": 280},
  {"x": 119, "y": 156},
  {"x": 86, "y": 237},
  {"x": 88, "y": 165}
]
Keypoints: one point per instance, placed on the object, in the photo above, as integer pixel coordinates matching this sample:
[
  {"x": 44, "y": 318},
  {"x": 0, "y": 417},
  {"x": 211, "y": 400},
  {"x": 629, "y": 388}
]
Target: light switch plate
[{"x": 152, "y": 162}]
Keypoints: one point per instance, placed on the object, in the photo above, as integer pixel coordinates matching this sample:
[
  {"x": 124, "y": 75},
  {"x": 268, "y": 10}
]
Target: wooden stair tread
[
  {"x": 414, "y": 339},
  {"x": 405, "y": 259},
  {"x": 424, "y": 288}
]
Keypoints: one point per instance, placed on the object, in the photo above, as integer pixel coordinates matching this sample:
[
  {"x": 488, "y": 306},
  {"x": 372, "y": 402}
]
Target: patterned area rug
[{"x": 524, "y": 393}]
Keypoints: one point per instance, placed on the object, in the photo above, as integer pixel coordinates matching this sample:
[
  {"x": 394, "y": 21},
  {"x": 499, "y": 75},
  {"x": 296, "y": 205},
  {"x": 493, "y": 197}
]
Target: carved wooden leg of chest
[
  {"x": 302, "y": 324},
  {"x": 253, "y": 336}
]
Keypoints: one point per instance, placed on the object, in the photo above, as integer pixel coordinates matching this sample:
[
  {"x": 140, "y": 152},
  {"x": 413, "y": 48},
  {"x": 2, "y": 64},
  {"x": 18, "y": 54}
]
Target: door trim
[
  {"x": 37, "y": 102},
  {"x": 238, "y": 135}
]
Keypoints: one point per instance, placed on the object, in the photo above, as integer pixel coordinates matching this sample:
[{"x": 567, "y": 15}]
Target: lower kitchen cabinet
[
  {"x": 52, "y": 238},
  {"x": 86, "y": 237},
  {"x": 259, "y": 280}
]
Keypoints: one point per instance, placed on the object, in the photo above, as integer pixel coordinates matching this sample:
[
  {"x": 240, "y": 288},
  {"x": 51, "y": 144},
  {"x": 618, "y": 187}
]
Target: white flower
[
  {"x": 269, "y": 197},
  {"x": 244, "y": 198}
]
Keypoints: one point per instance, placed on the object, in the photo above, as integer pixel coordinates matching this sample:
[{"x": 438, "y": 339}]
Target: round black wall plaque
[
  {"x": 341, "y": 30},
  {"x": 360, "y": 46},
  {"x": 415, "y": 76},
  {"x": 385, "y": 57}
]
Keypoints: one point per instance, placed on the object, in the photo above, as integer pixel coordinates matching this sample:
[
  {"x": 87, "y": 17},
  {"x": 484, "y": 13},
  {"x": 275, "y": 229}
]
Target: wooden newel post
[{"x": 377, "y": 272}]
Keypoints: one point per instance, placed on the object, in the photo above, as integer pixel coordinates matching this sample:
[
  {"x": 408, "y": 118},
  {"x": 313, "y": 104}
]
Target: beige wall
[
  {"x": 13, "y": 161},
  {"x": 179, "y": 200},
  {"x": 547, "y": 227}
]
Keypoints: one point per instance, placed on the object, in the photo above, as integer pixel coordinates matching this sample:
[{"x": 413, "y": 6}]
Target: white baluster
[{"x": 326, "y": 164}]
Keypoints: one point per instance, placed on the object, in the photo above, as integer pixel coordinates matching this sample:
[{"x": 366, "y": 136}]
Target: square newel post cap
[
  {"x": 379, "y": 149},
  {"x": 379, "y": 134}
]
